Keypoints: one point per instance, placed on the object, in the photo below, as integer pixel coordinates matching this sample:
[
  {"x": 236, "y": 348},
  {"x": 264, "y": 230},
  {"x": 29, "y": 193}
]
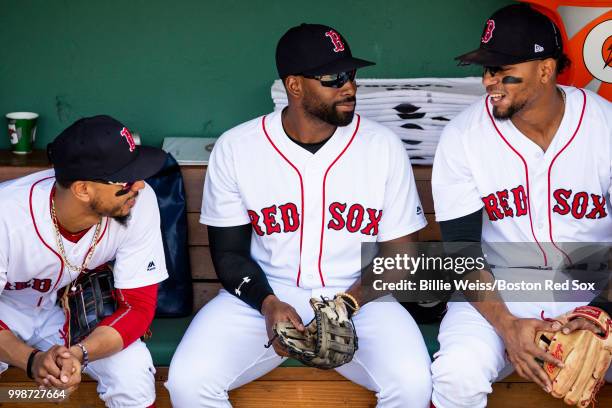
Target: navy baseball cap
[
  {"x": 314, "y": 49},
  {"x": 102, "y": 148},
  {"x": 515, "y": 34}
]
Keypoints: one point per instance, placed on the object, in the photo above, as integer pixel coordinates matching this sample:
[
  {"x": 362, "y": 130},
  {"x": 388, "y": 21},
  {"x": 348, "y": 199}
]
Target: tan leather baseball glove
[
  {"x": 586, "y": 357},
  {"x": 329, "y": 340}
]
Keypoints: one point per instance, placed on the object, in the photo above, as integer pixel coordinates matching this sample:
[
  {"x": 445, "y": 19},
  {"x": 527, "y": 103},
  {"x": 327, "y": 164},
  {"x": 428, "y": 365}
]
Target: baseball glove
[
  {"x": 87, "y": 301},
  {"x": 586, "y": 357},
  {"x": 329, "y": 340}
]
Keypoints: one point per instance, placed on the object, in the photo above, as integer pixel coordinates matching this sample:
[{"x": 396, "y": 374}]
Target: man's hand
[
  {"x": 70, "y": 368},
  {"x": 275, "y": 311},
  {"x": 518, "y": 335},
  {"x": 57, "y": 368},
  {"x": 577, "y": 324}
]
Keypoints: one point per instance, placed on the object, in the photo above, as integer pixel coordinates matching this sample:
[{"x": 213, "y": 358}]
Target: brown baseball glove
[
  {"x": 586, "y": 357},
  {"x": 329, "y": 340}
]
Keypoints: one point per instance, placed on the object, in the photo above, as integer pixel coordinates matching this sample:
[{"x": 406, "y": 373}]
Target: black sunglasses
[
  {"x": 334, "y": 80},
  {"x": 125, "y": 187}
]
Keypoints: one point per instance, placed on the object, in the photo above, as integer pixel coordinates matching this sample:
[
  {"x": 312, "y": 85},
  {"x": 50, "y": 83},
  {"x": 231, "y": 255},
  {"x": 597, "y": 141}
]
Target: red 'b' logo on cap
[
  {"x": 125, "y": 132},
  {"x": 488, "y": 34},
  {"x": 336, "y": 40}
]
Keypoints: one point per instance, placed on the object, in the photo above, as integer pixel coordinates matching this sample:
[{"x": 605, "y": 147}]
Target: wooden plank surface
[
  {"x": 201, "y": 263},
  {"x": 193, "y": 179},
  {"x": 197, "y": 234},
  {"x": 431, "y": 232},
  {"x": 302, "y": 394},
  {"x": 424, "y": 189},
  {"x": 15, "y": 165},
  {"x": 38, "y": 158},
  {"x": 293, "y": 387},
  {"x": 421, "y": 172}
]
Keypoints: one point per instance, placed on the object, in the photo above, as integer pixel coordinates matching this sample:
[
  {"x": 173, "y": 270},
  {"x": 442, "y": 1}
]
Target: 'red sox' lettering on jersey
[
  {"x": 497, "y": 204},
  {"x": 40, "y": 285},
  {"x": 285, "y": 219},
  {"x": 354, "y": 218},
  {"x": 513, "y": 203},
  {"x": 580, "y": 204}
]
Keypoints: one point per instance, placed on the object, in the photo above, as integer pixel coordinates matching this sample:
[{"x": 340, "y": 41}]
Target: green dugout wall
[{"x": 199, "y": 67}]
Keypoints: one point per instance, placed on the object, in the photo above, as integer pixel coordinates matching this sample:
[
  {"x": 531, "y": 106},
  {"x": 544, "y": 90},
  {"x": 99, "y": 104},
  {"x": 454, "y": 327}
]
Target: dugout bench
[{"x": 291, "y": 385}]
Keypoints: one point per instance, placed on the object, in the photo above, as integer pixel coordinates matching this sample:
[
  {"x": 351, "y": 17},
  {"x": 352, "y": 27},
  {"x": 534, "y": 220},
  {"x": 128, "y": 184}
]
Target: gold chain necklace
[{"x": 60, "y": 246}]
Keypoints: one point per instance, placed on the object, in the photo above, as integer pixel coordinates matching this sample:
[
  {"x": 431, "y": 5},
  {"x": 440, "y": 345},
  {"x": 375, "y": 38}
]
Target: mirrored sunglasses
[
  {"x": 125, "y": 187},
  {"x": 334, "y": 80}
]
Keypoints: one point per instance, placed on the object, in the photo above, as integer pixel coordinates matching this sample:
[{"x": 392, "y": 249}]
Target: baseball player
[
  {"x": 530, "y": 162},
  {"x": 289, "y": 197},
  {"x": 91, "y": 208}
]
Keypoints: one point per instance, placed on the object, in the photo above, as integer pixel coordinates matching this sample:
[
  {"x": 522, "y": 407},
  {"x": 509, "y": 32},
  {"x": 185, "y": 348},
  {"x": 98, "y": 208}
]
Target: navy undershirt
[{"x": 311, "y": 147}]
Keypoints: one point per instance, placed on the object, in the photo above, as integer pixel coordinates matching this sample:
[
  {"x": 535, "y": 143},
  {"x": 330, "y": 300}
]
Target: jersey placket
[
  {"x": 313, "y": 203},
  {"x": 537, "y": 167}
]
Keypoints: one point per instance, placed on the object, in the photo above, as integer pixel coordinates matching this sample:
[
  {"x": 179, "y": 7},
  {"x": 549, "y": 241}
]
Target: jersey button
[{"x": 540, "y": 225}]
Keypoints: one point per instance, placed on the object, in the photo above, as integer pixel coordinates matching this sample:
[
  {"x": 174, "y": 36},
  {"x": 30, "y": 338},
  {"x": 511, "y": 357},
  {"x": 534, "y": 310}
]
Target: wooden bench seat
[{"x": 303, "y": 387}]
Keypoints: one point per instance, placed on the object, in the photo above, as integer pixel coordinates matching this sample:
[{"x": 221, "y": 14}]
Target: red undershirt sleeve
[{"x": 135, "y": 312}]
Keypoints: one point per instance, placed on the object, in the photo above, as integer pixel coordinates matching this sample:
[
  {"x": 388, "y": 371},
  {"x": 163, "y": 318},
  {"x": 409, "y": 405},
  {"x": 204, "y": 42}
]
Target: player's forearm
[
  {"x": 135, "y": 312},
  {"x": 356, "y": 290},
  {"x": 496, "y": 313},
  {"x": 489, "y": 303},
  {"x": 243, "y": 278},
  {"x": 14, "y": 351},
  {"x": 362, "y": 289},
  {"x": 239, "y": 274},
  {"x": 104, "y": 341},
  {"x": 364, "y": 293}
]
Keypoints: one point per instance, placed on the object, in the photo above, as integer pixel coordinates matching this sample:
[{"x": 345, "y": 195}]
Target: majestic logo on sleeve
[
  {"x": 513, "y": 203},
  {"x": 125, "y": 132},
  {"x": 336, "y": 40},
  {"x": 285, "y": 219},
  {"x": 488, "y": 32}
]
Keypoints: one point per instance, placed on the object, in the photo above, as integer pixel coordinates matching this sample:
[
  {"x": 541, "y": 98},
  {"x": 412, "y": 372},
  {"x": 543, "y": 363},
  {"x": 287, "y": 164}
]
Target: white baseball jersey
[
  {"x": 561, "y": 195},
  {"x": 31, "y": 269},
  {"x": 310, "y": 212}
]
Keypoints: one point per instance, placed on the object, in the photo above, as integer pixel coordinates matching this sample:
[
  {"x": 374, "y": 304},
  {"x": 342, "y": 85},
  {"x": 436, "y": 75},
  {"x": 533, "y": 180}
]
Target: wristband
[
  {"x": 30, "y": 363},
  {"x": 85, "y": 355},
  {"x": 354, "y": 306}
]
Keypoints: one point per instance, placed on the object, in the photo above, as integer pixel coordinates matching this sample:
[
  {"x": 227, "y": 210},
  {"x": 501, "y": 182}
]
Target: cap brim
[
  {"x": 483, "y": 56},
  {"x": 148, "y": 162},
  {"x": 342, "y": 65}
]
